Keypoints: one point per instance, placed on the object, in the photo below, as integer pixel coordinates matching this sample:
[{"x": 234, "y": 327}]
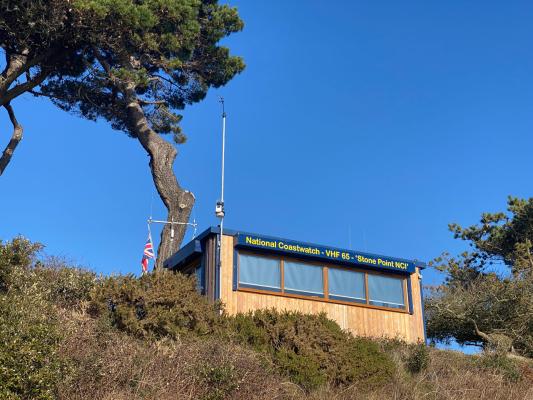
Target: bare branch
[
  {"x": 24, "y": 87},
  {"x": 153, "y": 102},
  {"x": 13, "y": 143}
]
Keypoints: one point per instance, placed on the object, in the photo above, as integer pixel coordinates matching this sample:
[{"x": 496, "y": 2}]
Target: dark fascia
[
  {"x": 184, "y": 255},
  {"x": 195, "y": 247}
]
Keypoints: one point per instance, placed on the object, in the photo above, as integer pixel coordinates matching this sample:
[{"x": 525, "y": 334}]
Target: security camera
[{"x": 219, "y": 209}]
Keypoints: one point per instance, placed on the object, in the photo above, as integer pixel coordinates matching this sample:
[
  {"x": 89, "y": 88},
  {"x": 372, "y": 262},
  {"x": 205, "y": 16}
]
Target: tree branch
[
  {"x": 482, "y": 335},
  {"x": 15, "y": 66},
  {"x": 13, "y": 143},
  {"x": 24, "y": 87},
  {"x": 153, "y": 102}
]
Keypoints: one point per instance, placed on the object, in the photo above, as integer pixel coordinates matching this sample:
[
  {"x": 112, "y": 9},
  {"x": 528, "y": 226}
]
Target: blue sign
[{"x": 330, "y": 254}]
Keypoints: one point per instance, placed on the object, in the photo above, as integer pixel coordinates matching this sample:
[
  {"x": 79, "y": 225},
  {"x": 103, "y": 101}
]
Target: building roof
[{"x": 270, "y": 244}]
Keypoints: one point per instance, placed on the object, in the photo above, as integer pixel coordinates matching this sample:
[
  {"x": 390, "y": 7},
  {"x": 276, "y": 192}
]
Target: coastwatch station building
[{"x": 367, "y": 294}]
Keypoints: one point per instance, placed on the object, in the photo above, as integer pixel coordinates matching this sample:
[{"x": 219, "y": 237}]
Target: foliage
[
  {"x": 479, "y": 304},
  {"x": 220, "y": 378},
  {"x": 500, "y": 363},
  {"x": 145, "y": 62},
  {"x": 39, "y": 39},
  {"x": 52, "y": 348},
  {"x": 417, "y": 359},
  {"x": 16, "y": 260},
  {"x": 61, "y": 284},
  {"x": 312, "y": 349},
  {"x": 156, "y": 305},
  {"x": 167, "y": 52},
  {"x": 29, "y": 363},
  {"x": 167, "y": 49}
]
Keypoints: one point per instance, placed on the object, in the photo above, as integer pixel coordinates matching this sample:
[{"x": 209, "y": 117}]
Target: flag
[{"x": 148, "y": 253}]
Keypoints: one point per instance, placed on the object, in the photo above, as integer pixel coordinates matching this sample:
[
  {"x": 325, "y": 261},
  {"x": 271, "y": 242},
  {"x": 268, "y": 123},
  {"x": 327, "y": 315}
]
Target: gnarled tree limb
[
  {"x": 21, "y": 88},
  {"x": 16, "y": 137},
  {"x": 178, "y": 201}
]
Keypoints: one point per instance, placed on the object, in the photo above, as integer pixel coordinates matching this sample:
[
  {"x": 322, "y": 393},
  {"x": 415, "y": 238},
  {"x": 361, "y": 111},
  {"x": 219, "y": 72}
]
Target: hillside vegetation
[{"x": 66, "y": 333}]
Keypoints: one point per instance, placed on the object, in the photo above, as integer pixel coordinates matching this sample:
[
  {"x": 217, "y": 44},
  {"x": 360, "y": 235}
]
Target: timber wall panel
[{"x": 360, "y": 321}]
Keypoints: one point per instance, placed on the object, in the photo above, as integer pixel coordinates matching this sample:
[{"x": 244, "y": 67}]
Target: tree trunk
[
  {"x": 16, "y": 65},
  {"x": 179, "y": 202},
  {"x": 16, "y": 137}
]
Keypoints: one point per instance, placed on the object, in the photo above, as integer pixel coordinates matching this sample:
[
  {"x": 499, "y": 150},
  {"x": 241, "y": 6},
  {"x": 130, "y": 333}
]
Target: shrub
[
  {"x": 219, "y": 378},
  {"x": 16, "y": 259},
  {"x": 303, "y": 370},
  {"x": 114, "y": 365},
  {"x": 312, "y": 349},
  {"x": 61, "y": 284},
  {"x": 30, "y": 367},
  {"x": 157, "y": 305},
  {"x": 500, "y": 364},
  {"x": 50, "y": 279},
  {"x": 417, "y": 359}
]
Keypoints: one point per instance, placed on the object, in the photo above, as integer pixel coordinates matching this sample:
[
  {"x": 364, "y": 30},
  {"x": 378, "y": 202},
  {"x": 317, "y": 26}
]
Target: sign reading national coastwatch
[{"x": 324, "y": 253}]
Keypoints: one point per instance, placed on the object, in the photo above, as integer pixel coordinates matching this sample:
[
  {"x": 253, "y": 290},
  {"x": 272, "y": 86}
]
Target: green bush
[
  {"x": 500, "y": 364},
  {"x": 157, "y": 305},
  {"x": 303, "y": 370},
  {"x": 16, "y": 260},
  {"x": 62, "y": 285},
  {"x": 30, "y": 367},
  {"x": 220, "y": 379},
  {"x": 312, "y": 349},
  {"x": 417, "y": 359},
  {"x": 51, "y": 280}
]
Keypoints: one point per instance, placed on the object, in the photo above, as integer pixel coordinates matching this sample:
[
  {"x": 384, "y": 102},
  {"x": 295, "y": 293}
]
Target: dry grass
[
  {"x": 179, "y": 347},
  {"x": 449, "y": 376},
  {"x": 113, "y": 365}
]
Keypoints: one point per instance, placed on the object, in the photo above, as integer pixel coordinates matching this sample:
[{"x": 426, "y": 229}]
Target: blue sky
[{"x": 370, "y": 123}]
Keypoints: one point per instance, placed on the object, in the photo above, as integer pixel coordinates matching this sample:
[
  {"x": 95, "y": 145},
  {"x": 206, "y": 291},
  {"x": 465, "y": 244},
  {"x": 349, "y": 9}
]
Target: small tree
[
  {"x": 487, "y": 297},
  {"x": 147, "y": 60}
]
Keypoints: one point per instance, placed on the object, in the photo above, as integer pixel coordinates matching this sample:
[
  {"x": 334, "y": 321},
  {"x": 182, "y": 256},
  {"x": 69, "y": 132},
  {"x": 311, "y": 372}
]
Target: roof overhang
[{"x": 305, "y": 250}]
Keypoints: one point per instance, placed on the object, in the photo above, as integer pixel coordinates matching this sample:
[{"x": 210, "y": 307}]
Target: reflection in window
[
  {"x": 199, "y": 272},
  {"x": 303, "y": 278},
  {"x": 386, "y": 291},
  {"x": 346, "y": 285},
  {"x": 259, "y": 272}
]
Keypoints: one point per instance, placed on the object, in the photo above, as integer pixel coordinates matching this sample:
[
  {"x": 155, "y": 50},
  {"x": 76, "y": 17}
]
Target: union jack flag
[{"x": 148, "y": 253}]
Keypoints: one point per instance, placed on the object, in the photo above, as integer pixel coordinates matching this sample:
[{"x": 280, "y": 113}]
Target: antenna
[{"x": 219, "y": 209}]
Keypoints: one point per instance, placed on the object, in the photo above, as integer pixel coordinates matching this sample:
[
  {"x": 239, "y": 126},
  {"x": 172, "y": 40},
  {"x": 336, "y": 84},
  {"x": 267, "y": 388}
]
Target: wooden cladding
[{"x": 363, "y": 320}]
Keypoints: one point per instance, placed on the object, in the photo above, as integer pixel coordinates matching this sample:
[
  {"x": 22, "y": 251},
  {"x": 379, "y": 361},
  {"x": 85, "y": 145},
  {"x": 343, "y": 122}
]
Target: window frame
[
  {"x": 404, "y": 288},
  {"x": 252, "y": 287},
  {"x": 303, "y": 292},
  {"x": 354, "y": 301},
  {"x": 325, "y": 267}
]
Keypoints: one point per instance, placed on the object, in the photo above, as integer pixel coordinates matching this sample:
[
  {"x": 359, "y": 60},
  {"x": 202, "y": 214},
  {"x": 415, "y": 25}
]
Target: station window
[
  {"x": 346, "y": 285},
  {"x": 259, "y": 272},
  {"x": 303, "y": 278},
  {"x": 386, "y": 291},
  {"x": 199, "y": 272},
  {"x": 289, "y": 278}
]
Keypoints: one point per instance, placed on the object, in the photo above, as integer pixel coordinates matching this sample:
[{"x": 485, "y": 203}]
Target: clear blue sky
[{"x": 387, "y": 119}]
